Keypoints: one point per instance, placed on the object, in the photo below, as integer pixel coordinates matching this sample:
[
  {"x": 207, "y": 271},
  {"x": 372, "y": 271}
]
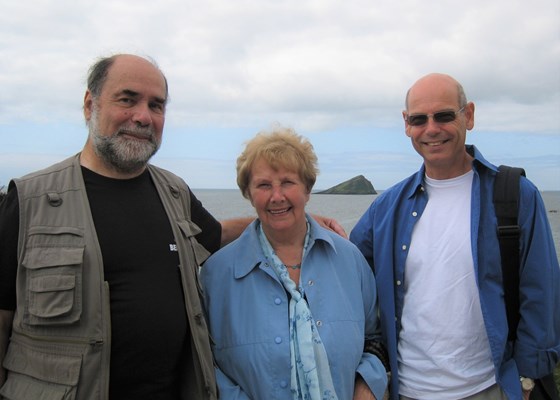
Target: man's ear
[
  {"x": 469, "y": 114},
  {"x": 406, "y": 126},
  {"x": 88, "y": 105}
]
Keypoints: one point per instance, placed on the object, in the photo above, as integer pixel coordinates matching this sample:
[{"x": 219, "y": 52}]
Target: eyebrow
[
  {"x": 437, "y": 112},
  {"x": 127, "y": 92},
  {"x": 132, "y": 93}
]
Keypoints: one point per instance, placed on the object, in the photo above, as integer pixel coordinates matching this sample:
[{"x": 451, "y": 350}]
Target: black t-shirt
[{"x": 150, "y": 335}]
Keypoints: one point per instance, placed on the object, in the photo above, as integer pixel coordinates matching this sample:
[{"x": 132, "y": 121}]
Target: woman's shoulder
[
  {"x": 340, "y": 244},
  {"x": 241, "y": 250}
]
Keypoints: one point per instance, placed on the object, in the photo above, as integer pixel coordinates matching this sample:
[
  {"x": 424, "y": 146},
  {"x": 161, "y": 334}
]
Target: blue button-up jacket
[
  {"x": 247, "y": 309},
  {"x": 383, "y": 235}
]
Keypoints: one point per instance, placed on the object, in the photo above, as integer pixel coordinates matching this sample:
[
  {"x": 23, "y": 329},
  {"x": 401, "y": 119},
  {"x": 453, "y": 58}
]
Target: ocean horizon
[{"x": 346, "y": 209}]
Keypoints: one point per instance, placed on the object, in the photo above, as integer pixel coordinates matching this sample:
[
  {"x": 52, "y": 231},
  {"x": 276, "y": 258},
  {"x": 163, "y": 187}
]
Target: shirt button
[
  {"x": 310, "y": 283},
  {"x": 277, "y": 301},
  {"x": 278, "y": 340},
  {"x": 398, "y": 283},
  {"x": 319, "y": 323},
  {"x": 404, "y": 246},
  {"x": 414, "y": 214}
]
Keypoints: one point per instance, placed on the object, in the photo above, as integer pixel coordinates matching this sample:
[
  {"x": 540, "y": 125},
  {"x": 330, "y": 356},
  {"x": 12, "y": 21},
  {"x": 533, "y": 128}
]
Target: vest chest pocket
[{"x": 53, "y": 294}]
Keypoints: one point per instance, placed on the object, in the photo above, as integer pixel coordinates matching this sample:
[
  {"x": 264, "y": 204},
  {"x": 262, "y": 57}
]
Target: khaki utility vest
[{"x": 61, "y": 336}]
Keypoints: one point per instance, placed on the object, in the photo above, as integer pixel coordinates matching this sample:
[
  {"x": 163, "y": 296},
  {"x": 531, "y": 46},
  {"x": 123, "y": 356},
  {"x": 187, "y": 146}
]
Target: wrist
[{"x": 527, "y": 384}]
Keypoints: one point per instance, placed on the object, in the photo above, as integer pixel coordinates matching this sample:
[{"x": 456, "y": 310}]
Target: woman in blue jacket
[{"x": 290, "y": 304}]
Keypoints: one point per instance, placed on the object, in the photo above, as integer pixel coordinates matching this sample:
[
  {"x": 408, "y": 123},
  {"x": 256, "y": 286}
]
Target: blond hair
[{"x": 280, "y": 148}]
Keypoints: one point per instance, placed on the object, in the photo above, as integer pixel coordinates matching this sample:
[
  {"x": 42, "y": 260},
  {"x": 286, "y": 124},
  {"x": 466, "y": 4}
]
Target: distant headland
[{"x": 357, "y": 185}]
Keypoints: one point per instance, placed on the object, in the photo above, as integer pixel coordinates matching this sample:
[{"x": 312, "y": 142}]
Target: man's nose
[
  {"x": 432, "y": 126},
  {"x": 142, "y": 115}
]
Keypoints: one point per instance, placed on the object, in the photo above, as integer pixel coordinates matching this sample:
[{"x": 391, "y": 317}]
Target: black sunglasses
[{"x": 442, "y": 117}]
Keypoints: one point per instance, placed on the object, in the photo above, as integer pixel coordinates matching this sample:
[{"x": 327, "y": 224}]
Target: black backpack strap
[{"x": 506, "y": 205}]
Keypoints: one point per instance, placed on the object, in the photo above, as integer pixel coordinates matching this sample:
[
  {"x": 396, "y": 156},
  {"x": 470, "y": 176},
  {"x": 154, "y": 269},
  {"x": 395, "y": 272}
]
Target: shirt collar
[
  {"x": 478, "y": 162},
  {"x": 252, "y": 255}
]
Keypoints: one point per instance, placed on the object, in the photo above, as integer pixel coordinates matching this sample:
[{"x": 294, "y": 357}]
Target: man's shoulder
[
  {"x": 406, "y": 187},
  {"x": 53, "y": 168},
  {"x": 166, "y": 175},
  {"x": 57, "y": 177}
]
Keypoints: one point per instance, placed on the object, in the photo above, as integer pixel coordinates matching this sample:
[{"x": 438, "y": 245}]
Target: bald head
[
  {"x": 436, "y": 86},
  {"x": 99, "y": 71},
  {"x": 437, "y": 118}
]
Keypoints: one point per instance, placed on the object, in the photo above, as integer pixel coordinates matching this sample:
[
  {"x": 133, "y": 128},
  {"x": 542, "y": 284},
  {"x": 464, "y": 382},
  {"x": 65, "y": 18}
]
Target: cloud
[{"x": 326, "y": 67}]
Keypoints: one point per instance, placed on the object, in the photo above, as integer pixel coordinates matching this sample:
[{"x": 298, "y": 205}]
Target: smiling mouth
[
  {"x": 435, "y": 144},
  {"x": 279, "y": 212},
  {"x": 137, "y": 136}
]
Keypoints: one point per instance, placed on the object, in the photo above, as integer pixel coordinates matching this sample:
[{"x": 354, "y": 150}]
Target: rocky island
[{"x": 357, "y": 185}]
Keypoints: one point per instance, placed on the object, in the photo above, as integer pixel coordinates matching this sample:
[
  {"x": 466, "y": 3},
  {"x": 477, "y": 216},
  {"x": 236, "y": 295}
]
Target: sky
[{"x": 335, "y": 71}]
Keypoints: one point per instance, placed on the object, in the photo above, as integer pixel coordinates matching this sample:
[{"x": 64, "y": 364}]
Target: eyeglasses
[{"x": 442, "y": 117}]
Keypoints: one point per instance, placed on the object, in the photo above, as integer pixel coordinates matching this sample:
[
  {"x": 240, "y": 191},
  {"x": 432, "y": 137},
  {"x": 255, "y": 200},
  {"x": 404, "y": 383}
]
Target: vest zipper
[{"x": 54, "y": 339}]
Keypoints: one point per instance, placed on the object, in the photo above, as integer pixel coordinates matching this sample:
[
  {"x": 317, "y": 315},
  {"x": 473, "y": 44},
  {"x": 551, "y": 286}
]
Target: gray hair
[{"x": 98, "y": 72}]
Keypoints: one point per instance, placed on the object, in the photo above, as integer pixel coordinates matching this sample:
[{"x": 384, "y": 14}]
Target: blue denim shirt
[
  {"x": 247, "y": 310},
  {"x": 384, "y": 232}
]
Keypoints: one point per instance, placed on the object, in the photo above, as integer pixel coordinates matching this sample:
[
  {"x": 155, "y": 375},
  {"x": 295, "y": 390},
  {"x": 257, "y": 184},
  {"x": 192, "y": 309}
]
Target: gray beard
[{"x": 125, "y": 155}]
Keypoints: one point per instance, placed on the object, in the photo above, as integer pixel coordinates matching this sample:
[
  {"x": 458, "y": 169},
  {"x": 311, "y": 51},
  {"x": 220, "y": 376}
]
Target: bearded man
[{"x": 99, "y": 256}]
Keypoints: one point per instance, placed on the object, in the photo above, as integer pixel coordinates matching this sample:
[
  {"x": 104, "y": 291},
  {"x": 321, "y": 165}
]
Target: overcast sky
[{"x": 335, "y": 71}]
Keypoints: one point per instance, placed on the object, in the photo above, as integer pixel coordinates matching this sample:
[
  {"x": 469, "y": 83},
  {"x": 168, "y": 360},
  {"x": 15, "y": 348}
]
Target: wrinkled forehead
[
  {"x": 136, "y": 75},
  {"x": 432, "y": 94}
]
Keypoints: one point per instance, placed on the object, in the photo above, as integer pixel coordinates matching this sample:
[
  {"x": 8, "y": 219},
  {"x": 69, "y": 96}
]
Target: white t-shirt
[{"x": 443, "y": 349}]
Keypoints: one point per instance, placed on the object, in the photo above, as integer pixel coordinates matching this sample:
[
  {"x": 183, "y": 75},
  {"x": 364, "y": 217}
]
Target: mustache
[{"x": 138, "y": 131}]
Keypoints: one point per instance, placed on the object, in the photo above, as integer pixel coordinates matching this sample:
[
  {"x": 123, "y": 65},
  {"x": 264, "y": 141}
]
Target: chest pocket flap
[
  {"x": 40, "y": 257},
  {"x": 53, "y": 285},
  {"x": 190, "y": 230}
]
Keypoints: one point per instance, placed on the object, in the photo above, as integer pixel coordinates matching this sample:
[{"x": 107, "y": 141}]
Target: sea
[{"x": 346, "y": 209}]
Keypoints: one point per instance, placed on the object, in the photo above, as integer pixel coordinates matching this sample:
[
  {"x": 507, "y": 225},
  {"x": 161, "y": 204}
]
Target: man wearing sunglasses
[{"x": 432, "y": 242}]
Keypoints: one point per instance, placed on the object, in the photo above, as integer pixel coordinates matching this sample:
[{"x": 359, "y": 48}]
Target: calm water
[{"x": 346, "y": 209}]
